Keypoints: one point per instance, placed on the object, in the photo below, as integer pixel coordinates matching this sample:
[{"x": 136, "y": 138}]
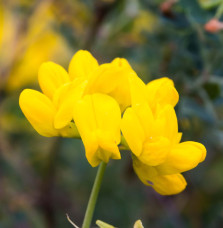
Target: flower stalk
[{"x": 94, "y": 195}]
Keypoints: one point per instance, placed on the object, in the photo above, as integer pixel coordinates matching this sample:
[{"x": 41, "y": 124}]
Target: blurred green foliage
[{"x": 42, "y": 179}]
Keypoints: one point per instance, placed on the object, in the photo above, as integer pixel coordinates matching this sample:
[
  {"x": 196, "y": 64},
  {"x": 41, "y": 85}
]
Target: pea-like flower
[
  {"x": 98, "y": 119},
  {"x": 153, "y": 137},
  {"x": 50, "y": 112},
  {"x": 161, "y": 91},
  {"x": 89, "y": 100},
  {"x": 88, "y": 86},
  {"x": 41, "y": 109},
  {"x": 113, "y": 79}
]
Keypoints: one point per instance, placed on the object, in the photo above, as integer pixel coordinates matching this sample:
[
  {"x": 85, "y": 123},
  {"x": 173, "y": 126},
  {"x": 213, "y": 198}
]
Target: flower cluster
[{"x": 108, "y": 104}]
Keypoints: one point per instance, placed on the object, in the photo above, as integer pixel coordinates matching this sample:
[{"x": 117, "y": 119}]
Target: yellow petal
[
  {"x": 120, "y": 62},
  {"x": 99, "y": 147},
  {"x": 163, "y": 184},
  {"x": 144, "y": 172},
  {"x": 104, "y": 79},
  {"x": 63, "y": 116},
  {"x": 39, "y": 110},
  {"x": 178, "y": 137},
  {"x": 82, "y": 65},
  {"x": 146, "y": 118},
  {"x": 166, "y": 123},
  {"x": 162, "y": 91},
  {"x": 107, "y": 114},
  {"x": 51, "y": 76},
  {"x": 138, "y": 130},
  {"x": 112, "y": 79},
  {"x": 155, "y": 151},
  {"x": 98, "y": 118},
  {"x": 137, "y": 90},
  {"x": 183, "y": 157},
  {"x": 169, "y": 184},
  {"x": 133, "y": 131},
  {"x": 65, "y": 98}
]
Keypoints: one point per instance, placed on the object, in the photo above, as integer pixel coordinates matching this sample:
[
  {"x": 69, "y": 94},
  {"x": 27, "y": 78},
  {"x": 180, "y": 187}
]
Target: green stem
[{"x": 94, "y": 194}]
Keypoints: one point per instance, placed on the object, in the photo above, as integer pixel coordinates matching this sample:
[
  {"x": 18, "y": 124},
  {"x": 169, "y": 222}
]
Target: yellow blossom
[
  {"x": 64, "y": 98},
  {"x": 42, "y": 109},
  {"x": 163, "y": 184},
  {"x": 87, "y": 101},
  {"x": 83, "y": 64},
  {"x": 113, "y": 79},
  {"x": 151, "y": 131},
  {"x": 98, "y": 118},
  {"x": 109, "y": 78},
  {"x": 85, "y": 77},
  {"x": 162, "y": 91}
]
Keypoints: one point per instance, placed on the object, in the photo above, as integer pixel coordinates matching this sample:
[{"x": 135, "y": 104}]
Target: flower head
[
  {"x": 98, "y": 118},
  {"x": 112, "y": 79},
  {"x": 42, "y": 109},
  {"x": 98, "y": 102},
  {"x": 85, "y": 101},
  {"x": 151, "y": 131}
]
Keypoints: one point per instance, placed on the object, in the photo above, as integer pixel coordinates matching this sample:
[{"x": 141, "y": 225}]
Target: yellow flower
[
  {"x": 83, "y": 64},
  {"x": 153, "y": 137},
  {"x": 163, "y": 184},
  {"x": 162, "y": 91},
  {"x": 50, "y": 113},
  {"x": 42, "y": 109},
  {"x": 88, "y": 102},
  {"x": 97, "y": 115},
  {"x": 159, "y": 92},
  {"x": 98, "y": 118},
  {"x": 112, "y": 79}
]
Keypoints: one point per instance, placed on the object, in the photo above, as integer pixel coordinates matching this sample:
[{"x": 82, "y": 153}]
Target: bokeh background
[{"x": 42, "y": 179}]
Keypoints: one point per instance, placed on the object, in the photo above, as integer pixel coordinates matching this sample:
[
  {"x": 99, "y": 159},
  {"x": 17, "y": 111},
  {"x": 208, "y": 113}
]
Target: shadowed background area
[{"x": 42, "y": 179}]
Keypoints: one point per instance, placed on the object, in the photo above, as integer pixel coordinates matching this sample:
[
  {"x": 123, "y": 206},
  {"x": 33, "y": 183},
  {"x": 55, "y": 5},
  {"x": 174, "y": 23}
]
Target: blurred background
[{"x": 42, "y": 179}]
